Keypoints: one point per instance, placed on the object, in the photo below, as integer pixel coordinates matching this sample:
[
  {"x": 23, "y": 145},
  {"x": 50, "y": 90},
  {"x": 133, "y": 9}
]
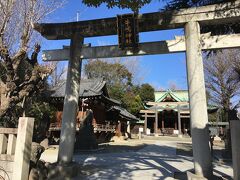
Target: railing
[
  {"x": 167, "y": 131},
  {"x": 8, "y": 138},
  {"x": 104, "y": 128},
  {"x": 55, "y": 127},
  {"x": 15, "y": 150},
  {"x": 97, "y": 127}
]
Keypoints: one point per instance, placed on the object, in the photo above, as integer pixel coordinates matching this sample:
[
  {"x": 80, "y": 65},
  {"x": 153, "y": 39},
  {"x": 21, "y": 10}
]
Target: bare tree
[
  {"x": 172, "y": 85},
  {"x": 222, "y": 80},
  {"x": 58, "y": 75},
  {"x": 237, "y": 68},
  {"x": 20, "y": 76}
]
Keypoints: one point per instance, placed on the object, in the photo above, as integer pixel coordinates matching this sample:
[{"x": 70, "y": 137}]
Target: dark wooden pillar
[
  {"x": 163, "y": 120},
  {"x": 179, "y": 121},
  {"x": 175, "y": 120},
  {"x": 145, "y": 123},
  {"x": 156, "y": 122}
]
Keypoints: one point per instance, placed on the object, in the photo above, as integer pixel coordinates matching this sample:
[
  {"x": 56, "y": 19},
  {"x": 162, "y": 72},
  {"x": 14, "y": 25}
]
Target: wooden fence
[{"x": 104, "y": 128}]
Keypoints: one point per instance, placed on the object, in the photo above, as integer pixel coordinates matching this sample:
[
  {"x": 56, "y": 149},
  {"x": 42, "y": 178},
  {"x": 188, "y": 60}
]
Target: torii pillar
[
  {"x": 70, "y": 108},
  {"x": 198, "y": 105}
]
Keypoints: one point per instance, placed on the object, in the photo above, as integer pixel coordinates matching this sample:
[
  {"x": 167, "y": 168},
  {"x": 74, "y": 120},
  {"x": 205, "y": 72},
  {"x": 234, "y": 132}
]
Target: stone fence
[{"x": 15, "y": 150}]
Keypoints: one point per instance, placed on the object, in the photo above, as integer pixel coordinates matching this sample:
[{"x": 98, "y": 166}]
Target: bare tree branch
[
  {"x": 221, "y": 79},
  {"x": 24, "y": 77}
]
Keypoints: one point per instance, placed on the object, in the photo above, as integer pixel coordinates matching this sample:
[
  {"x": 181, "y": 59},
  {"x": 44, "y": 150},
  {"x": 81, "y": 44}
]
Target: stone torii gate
[{"x": 193, "y": 43}]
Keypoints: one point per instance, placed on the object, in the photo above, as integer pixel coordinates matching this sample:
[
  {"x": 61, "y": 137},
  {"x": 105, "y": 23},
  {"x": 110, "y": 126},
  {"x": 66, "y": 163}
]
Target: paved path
[{"x": 157, "y": 160}]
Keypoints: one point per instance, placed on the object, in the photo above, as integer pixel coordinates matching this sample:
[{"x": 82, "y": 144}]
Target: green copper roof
[
  {"x": 173, "y": 96},
  {"x": 177, "y": 95}
]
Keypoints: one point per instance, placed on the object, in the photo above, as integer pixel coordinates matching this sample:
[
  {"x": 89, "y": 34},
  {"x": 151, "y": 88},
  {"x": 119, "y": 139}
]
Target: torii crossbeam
[{"x": 177, "y": 45}]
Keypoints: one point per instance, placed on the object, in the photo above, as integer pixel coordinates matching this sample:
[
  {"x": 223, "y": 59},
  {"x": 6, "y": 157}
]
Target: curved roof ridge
[
  {"x": 97, "y": 85},
  {"x": 169, "y": 91},
  {"x": 175, "y": 90},
  {"x": 174, "y": 96}
]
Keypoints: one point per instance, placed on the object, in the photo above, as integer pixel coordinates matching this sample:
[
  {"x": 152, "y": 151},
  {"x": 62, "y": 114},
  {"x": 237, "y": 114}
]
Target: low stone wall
[
  {"x": 7, "y": 149},
  {"x": 15, "y": 150}
]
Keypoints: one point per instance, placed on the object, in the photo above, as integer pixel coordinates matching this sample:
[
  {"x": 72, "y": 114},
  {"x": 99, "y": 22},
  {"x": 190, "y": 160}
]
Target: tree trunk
[{"x": 5, "y": 100}]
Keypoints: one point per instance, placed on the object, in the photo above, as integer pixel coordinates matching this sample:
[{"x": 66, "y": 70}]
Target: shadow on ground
[
  {"x": 145, "y": 161},
  {"x": 139, "y": 162},
  {"x": 185, "y": 149},
  {"x": 107, "y": 148}
]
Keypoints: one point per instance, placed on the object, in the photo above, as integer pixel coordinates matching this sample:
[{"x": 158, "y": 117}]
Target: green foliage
[
  {"x": 40, "y": 109},
  {"x": 120, "y": 87},
  {"x": 137, "y": 4},
  {"x": 212, "y": 117},
  {"x": 134, "y": 5},
  {"x": 113, "y": 73},
  {"x": 117, "y": 76},
  {"x": 179, "y": 4},
  {"x": 11, "y": 121},
  {"x": 215, "y": 29},
  {"x": 116, "y": 91},
  {"x": 43, "y": 113},
  {"x": 132, "y": 102},
  {"x": 2, "y": 71},
  {"x": 146, "y": 92}
]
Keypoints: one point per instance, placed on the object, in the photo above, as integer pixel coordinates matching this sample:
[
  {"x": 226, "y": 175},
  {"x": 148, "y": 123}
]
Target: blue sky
[{"x": 158, "y": 70}]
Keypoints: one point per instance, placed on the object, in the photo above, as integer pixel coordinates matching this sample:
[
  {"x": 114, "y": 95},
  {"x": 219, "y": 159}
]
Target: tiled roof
[
  {"x": 88, "y": 88},
  {"x": 178, "y": 95},
  {"x": 125, "y": 114},
  {"x": 95, "y": 87}
]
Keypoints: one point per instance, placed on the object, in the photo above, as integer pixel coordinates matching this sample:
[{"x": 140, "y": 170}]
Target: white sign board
[
  {"x": 175, "y": 132},
  {"x": 148, "y": 131}
]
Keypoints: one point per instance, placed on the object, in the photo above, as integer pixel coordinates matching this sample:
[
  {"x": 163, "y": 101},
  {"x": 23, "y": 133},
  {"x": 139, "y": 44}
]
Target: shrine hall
[{"x": 169, "y": 113}]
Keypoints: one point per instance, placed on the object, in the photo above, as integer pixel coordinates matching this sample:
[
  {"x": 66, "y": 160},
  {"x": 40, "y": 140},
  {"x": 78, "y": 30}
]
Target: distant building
[{"x": 169, "y": 113}]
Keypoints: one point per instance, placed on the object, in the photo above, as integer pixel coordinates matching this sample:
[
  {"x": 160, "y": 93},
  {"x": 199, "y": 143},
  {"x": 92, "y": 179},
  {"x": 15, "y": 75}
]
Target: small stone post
[
  {"x": 128, "y": 127},
  {"x": 68, "y": 128},
  {"x": 235, "y": 134},
  {"x": 118, "y": 129},
  {"x": 198, "y": 105},
  {"x": 163, "y": 120},
  {"x": 23, "y": 148}
]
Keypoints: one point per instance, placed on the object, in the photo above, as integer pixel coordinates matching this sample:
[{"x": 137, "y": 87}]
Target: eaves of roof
[
  {"x": 88, "y": 88},
  {"x": 124, "y": 114}
]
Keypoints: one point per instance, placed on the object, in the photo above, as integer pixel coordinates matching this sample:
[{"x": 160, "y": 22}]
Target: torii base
[
  {"x": 63, "y": 171},
  {"x": 192, "y": 176}
]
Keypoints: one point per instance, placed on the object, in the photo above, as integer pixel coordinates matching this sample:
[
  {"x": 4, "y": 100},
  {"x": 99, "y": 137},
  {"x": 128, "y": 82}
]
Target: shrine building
[
  {"x": 169, "y": 113},
  {"x": 109, "y": 118}
]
